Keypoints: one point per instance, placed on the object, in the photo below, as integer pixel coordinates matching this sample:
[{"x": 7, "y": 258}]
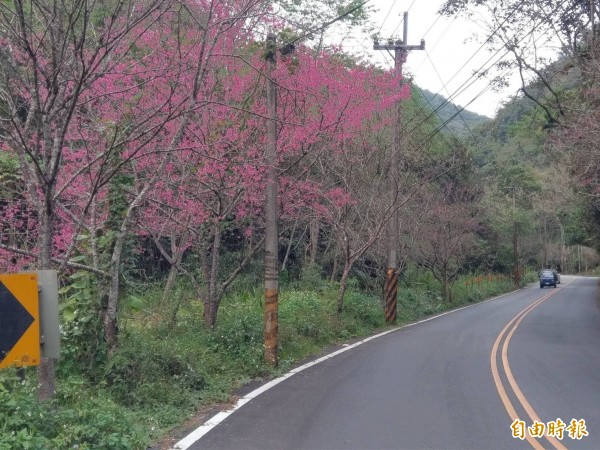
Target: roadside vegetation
[{"x": 167, "y": 369}]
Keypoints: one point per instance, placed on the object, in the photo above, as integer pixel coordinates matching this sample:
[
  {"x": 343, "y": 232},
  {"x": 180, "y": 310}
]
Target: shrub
[{"x": 75, "y": 418}]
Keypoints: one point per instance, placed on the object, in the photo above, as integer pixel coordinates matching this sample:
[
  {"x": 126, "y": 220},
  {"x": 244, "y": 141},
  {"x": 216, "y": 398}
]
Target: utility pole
[
  {"x": 516, "y": 268},
  {"x": 271, "y": 213},
  {"x": 401, "y": 50},
  {"x": 545, "y": 246},
  {"x": 271, "y": 316},
  {"x": 563, "y": 263}
]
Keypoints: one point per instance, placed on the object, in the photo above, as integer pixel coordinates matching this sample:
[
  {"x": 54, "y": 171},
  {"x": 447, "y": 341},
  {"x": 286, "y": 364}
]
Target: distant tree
[
  {"x": 443, "y": 233},
  {"x": 529, "y": 31},
  {"x": 359, "y": 205},
  {"x": 577, "y": 141},
  {"x": 308, "y": 17}
]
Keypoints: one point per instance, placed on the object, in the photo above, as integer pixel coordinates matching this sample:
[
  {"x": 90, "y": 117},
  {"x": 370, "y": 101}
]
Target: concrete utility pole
[
  {"x": 271, "y": 316},
  {"x": 516, "y": 266},
  {"x": 401, "y": 50},
  {"x": 271, "y": 214}
]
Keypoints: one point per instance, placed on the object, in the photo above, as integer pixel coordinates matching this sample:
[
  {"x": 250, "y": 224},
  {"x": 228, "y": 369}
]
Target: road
[{"x": 454, "y": 382}]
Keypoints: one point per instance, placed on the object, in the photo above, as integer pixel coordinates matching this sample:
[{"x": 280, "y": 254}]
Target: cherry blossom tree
[
  {"x": 222, "y": 183},
  {"x": 91, "y": 94},
  {"x": 52, "y": 56}
]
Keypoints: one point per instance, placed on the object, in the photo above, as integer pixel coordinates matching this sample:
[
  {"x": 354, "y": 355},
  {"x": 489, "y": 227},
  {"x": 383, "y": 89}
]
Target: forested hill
[{"x": 459, "y": 125}]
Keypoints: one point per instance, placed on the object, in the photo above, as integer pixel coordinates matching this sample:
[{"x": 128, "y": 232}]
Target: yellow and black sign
[{"x": 19, "y": 320}]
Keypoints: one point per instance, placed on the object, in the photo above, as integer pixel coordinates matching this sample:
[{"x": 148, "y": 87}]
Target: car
[{"x": 548, "y": 278}]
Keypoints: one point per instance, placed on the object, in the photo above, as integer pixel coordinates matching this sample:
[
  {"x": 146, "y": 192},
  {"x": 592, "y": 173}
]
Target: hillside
[{"x": 458, "y": 124}]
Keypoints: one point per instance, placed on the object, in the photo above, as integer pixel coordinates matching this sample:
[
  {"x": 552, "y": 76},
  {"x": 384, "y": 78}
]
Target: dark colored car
[{"x": 548, "y": 278}]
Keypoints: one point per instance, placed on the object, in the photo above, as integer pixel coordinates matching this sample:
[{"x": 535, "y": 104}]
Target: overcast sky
[{"x": 449, "y": 46}]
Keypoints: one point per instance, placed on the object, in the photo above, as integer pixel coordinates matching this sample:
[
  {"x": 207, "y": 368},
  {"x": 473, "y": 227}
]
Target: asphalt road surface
[{"x": 455, "y": 382}]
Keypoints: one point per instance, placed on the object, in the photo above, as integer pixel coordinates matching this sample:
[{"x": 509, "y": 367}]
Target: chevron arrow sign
[{"x": 19, "y": 320}]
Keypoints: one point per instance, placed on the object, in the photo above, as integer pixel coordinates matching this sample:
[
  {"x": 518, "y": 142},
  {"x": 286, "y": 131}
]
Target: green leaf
[
  {"x": 134, "y": 302},
  {"x": 68, "y": 314},
  {"x": 78, "y": 274},
  {"x": 64, "y": 290},
  {"x": 81, "y": 284}
]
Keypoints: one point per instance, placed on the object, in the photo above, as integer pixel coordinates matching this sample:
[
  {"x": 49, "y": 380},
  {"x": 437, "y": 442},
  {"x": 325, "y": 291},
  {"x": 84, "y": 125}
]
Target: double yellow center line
[{"x": 508, "y": 331}]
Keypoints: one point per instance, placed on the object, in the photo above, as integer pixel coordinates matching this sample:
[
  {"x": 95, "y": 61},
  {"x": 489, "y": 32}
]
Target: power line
[
  {"x": 472, "y": 56},
  {"x": 387, "y": 15},
  {"x": 468, "y": 83},
  {"x": 479, "y": 94},
  {"x": 433, "y": 24},
  {"x": 397, "y": 26},
  {"x": 426, "y": 99},
  {"x": 441, "y": 127},
  {"x": 462, "y": 88},
  {"x": 487, "y": 40},
  {"x": 445, "y": 125},
  {"x": 432, "y": 47},
  {"x": 442, "y": 81}
]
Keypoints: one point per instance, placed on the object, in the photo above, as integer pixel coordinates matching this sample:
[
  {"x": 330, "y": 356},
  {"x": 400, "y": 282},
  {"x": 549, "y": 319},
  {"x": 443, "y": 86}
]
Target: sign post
[{"x": 49, "y": 321}]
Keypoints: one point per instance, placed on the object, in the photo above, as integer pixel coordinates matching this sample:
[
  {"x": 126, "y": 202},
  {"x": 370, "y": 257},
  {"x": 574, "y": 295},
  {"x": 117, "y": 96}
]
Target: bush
[
  {"x": 311, "y": 279},
  {"x": 75, "y": 418}
]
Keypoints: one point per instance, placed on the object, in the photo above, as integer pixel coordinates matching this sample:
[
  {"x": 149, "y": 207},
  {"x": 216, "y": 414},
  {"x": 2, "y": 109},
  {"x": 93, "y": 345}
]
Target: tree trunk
[
  {"x": 314, "y": 240},
  {"x": 176, "y": 255},
  {"x": 343, "y": 285},
  {"x": 212, "y": 302},
  {"x": 545, "y": 242},
  {"x": 289, "y": 247},
  {"x": 169, "y": 285},
  {"x": 445, "y": 296},
  {"x": 516, "y": 269},
  {"x": 110, "y": 315},
  {"x": 210, "y": 315},
  {"x": 334, "y": 270},
  {"x": 46, "y": 235},
  {"x": 562, "y": 248}
]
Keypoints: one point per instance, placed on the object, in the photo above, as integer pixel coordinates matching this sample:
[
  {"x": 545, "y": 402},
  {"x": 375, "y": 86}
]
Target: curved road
[{"x": 455, "y": 382}]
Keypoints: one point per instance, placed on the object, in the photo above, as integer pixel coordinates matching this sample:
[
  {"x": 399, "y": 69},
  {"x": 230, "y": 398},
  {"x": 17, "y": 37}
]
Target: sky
[{"x": 444, "y": 66}]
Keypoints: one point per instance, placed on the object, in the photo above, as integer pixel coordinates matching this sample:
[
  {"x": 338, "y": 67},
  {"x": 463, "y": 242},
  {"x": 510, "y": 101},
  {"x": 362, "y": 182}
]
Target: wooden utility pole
[
  {"x": 271, "y": 213},
  {"x": 401, "y": 50}
]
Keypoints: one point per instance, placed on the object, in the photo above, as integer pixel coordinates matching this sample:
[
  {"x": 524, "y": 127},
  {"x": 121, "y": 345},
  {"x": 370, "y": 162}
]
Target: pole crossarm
[{"x": 398, "y": 45}]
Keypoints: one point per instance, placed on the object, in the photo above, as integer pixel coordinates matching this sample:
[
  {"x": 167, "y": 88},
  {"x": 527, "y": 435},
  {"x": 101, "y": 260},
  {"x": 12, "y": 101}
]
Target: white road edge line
[{"x": 199, "y": 432}]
